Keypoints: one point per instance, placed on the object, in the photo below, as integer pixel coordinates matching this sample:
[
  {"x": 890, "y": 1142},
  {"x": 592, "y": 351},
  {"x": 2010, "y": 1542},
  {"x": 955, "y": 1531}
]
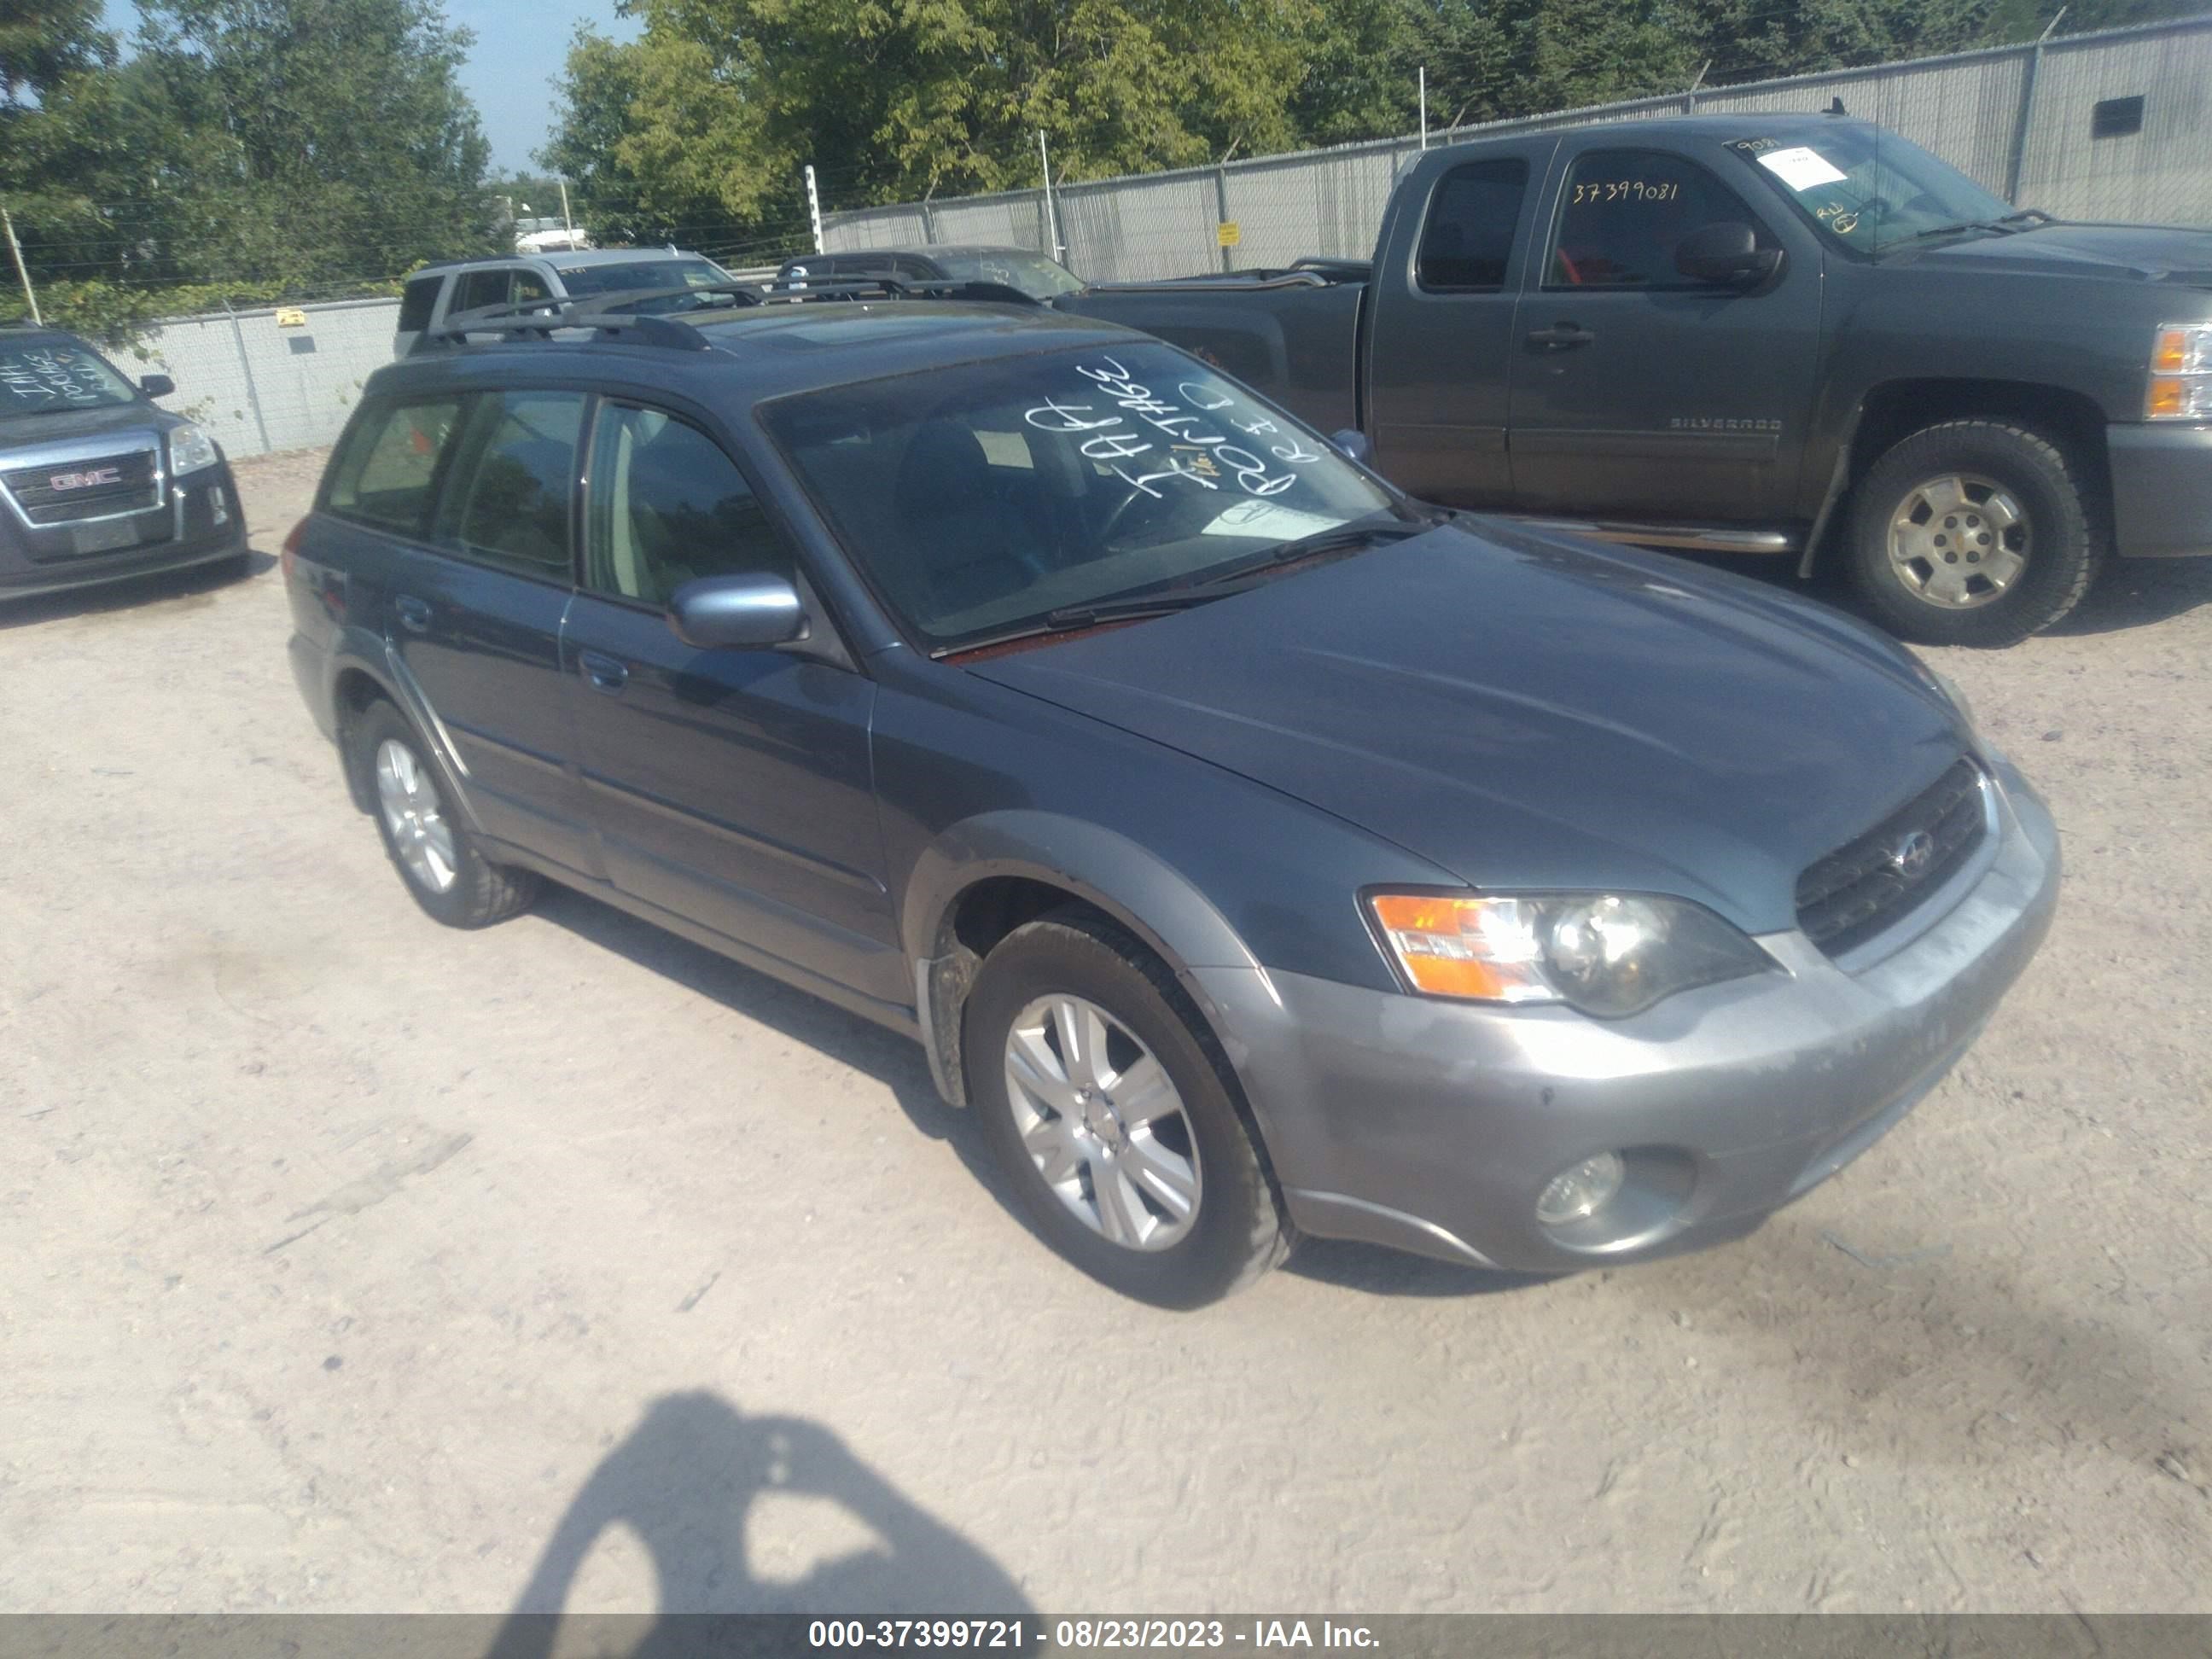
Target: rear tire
[
  {"x": 1170, "y": 1205},
  {"x": 1974, "y": 532},
  {"x": 423, "y": 836}
]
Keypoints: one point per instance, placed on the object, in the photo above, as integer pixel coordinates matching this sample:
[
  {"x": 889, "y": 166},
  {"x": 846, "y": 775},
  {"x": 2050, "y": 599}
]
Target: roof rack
[{"x": 614, "y": 312}]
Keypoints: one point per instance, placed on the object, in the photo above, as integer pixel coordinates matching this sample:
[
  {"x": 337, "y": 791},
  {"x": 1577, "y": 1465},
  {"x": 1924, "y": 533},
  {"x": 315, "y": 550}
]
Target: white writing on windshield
[{"x": 1194, "y": 451}]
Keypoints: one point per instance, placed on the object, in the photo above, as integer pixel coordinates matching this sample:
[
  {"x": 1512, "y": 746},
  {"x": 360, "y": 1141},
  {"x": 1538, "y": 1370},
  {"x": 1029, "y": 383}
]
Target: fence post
[
  {"x": 1221, "y": 211},
  {"x": 252, "y": 391},
  {"x": 2027, "y": 110},
  {"x": 928, "y": 219}
]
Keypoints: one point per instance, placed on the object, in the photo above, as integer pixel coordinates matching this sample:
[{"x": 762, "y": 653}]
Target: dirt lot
[{"x": 357, "y": 1264}]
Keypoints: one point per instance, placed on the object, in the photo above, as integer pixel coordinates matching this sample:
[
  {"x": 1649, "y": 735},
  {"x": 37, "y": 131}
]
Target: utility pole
[
  {"x": 814, "y": 209},
  {"x": 1051, "y": 213},
  {"x": 1424, "y": 107},
  {"x": 23, "y": 275}
]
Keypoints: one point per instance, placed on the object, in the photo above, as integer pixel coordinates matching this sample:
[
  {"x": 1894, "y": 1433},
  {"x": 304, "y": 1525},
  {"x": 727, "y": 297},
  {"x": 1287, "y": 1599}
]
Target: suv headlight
[
  {"x": 1607, "y": 954},
  {"x": 2180, "y": 374},
  {"x": 189, "y": 449}
]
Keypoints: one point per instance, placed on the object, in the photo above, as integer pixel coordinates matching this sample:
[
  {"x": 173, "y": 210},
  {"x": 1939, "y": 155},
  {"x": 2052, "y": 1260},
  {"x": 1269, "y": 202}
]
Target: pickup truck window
[
  {"x": 1623, "y": 212},
  {"x": 978, "y": 498},
  {"x": 1870, "y": 190},
  {"x": 1468, "y": 237}
]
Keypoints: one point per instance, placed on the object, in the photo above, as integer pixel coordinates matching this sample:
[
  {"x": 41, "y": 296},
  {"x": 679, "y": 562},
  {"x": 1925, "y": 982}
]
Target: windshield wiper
[{"x": 2011, "y": 225}]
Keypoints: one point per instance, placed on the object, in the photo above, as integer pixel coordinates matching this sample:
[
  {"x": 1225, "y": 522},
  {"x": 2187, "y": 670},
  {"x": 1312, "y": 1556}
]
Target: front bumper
[
  {"x": 199, "y": 520},
  {"x": 2162, "y": 490},
  {"x": 1432, "y": 1126}
]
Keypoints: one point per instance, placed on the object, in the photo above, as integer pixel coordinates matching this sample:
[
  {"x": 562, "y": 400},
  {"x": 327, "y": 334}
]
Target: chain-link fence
[{"x": 2112, "y": 125}]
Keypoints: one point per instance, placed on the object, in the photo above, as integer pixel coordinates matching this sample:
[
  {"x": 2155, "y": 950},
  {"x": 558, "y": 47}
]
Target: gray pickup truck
[{"x": 1796, "y": 336}]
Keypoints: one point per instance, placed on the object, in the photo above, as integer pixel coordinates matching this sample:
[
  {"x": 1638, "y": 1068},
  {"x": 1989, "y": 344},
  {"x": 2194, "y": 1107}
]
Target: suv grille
[
  {"x": 65, "y": 492},
  {"x": 1867, "y": 884}
]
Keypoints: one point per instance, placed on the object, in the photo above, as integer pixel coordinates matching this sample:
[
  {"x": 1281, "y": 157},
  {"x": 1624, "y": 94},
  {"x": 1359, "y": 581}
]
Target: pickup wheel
[
  {"x": 1974, "y": 532},
  {"x": 1114, "y": 1116},
  {"x": 428, "y": 845}
]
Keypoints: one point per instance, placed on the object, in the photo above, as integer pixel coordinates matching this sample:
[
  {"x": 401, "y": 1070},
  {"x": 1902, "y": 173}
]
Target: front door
[
  {"x": 730, "y": 787},
  {"x": 1638, "y": 391}
]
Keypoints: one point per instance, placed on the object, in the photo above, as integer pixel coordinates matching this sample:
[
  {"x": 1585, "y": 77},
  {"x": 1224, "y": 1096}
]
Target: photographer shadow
[{"x": 684, "y": 1483}]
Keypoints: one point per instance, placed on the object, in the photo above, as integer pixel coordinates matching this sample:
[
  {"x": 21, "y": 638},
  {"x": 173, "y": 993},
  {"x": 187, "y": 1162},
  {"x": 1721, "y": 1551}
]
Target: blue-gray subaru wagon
[{"x": 1256, "y": 851}]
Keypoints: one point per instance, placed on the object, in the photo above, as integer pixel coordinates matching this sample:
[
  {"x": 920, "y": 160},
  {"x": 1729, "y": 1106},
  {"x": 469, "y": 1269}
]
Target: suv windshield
[
  {"x": 38, "y": 376},
  {"x": 582, "y": 280},
  {"x": 1035, "y": 275},
  {"x": 984, "y": 498},
  {"x": 1870, "y": 190}
]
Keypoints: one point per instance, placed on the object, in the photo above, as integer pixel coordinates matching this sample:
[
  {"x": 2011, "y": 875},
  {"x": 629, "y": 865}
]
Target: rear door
[
  {"x": 731, "y": 788},
  {"x": 1637, "y": 391},
  {"x": 1442, "y": 303},
  {"x": 475, "y": 599}
]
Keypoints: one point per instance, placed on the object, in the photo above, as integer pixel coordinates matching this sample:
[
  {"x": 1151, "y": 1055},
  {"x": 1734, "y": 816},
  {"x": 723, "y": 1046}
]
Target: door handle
[
  {"x": 1562, "y": 337},
  {"x": 414, "y": 614},
  {"x": 604, "y": 671}
]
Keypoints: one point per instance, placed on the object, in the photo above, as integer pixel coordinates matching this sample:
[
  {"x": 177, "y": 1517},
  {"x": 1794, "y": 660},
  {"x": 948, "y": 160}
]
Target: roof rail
[{"x": 543, "y": 320}]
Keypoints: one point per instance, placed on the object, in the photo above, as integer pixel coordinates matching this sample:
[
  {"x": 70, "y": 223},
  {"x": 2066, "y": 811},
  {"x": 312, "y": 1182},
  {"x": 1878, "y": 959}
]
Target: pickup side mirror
[
  {"x": 156, "y": 385},
  {"x": 1352, "y": 444},
  {"x": 717, "y": 612},
  {"x": 1727, "y": 254}
]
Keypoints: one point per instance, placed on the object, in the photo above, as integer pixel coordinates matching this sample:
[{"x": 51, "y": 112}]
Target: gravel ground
[{"x": 358, "y": 1264}]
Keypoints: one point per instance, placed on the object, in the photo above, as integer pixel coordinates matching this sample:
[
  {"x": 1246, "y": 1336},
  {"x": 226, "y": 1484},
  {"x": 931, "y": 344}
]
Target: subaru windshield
[
  {"x": 997, "y": 498},
  {"x": 1871, "y": 190}
]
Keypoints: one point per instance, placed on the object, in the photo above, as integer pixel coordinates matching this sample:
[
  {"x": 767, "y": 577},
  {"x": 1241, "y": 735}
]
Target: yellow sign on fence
[
  {"x": 1228, "y": 233},
  {"x": 291, "y": 317}
]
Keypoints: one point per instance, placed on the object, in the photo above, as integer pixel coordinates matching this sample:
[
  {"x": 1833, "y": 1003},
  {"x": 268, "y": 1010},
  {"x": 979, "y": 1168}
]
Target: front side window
[
  {"x": 508, "y": 503},
  {"x": 1624, "y": 212},
  {"x": 668, "y": 506},
  {"x": 981, "y": 497},
  {"x": 45, "y": 376},
  {"x": 1870, "y": 190},
  {"x": 1469, "y": 235},
  {"x": 389, "y": 462}
]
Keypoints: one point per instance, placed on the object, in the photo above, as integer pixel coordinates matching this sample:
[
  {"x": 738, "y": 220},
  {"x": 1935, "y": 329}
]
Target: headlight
[
  {"x": 2180, "y": 374},
  {"x": 189, "y": 449},
  {"x": 1605, "y": 953}
]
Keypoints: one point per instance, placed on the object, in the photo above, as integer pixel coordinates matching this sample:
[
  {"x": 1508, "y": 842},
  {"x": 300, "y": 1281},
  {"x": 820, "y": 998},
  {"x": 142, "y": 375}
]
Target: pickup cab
[{"x": 1793, "y": 336}]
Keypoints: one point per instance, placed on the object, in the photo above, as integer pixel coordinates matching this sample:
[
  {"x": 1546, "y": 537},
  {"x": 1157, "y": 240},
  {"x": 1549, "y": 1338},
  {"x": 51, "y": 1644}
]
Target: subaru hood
[{"x": 1529, "y": 712}]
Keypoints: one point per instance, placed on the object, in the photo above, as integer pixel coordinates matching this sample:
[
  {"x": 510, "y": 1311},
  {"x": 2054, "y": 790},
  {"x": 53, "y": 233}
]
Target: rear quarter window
[
  {"x": 388, "y": 461},
  {"x": 417, "y": 304}
]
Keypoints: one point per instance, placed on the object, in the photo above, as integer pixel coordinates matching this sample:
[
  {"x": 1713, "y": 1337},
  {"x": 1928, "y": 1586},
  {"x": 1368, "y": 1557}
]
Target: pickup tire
[{"x": 1974, "y": 532}]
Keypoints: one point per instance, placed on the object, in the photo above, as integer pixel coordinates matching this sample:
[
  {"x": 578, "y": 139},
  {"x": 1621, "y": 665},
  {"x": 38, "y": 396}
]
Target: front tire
[
  {"x": 1974, "y": 532},
  {"x": 423, "y": 833},
  {"x": 1114, "y": 1116}
]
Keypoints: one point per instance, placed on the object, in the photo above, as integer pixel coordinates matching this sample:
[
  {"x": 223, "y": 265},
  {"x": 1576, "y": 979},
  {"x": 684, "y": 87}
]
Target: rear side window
[
  {"x": 668, "y": 506},
  {"x": 508, "y": 503},
  {"x": 481, "y": 288},
  {"x": 389, "y": 461},
  {"x": 1469, "y": 235},
  {"x": 416, "y": 306},
  {"x": 1625, "y": 211}
]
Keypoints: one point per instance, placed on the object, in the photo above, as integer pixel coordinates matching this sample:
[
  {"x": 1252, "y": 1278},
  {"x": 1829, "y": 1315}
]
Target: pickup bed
[{"x": 1793, "y": 336}]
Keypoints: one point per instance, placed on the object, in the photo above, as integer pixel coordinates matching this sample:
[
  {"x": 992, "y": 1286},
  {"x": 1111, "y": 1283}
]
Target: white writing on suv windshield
[{"x": 1113, "y": 439}]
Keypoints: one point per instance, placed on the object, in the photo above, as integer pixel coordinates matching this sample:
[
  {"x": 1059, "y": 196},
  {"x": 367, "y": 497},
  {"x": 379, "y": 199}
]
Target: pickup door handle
[
  {"x": 414, "y": 614},
  {"x": 604, "y": 671},
  {"x": 1562, "y": 337}
]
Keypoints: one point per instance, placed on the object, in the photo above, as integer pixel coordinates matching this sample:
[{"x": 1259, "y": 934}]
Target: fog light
[{"x": 1581, "y": 1191}]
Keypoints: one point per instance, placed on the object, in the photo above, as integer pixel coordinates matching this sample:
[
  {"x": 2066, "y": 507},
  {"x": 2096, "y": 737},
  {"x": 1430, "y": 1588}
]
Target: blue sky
[{"x": 520, "y": 46}]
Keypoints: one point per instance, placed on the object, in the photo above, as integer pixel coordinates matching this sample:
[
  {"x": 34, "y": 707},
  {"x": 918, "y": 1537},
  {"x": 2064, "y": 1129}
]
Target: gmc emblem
[{"x": 103, "y": 475}]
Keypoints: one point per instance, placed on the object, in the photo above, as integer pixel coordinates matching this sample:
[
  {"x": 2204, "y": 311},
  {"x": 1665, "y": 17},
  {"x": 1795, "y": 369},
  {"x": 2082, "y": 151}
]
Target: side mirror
[
  {"x": 156, "y": 385},
  {"x": 717, "y": 612},
  {"x": 1727, "y": 254},
  {"x": 1352, "y": 444}
]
